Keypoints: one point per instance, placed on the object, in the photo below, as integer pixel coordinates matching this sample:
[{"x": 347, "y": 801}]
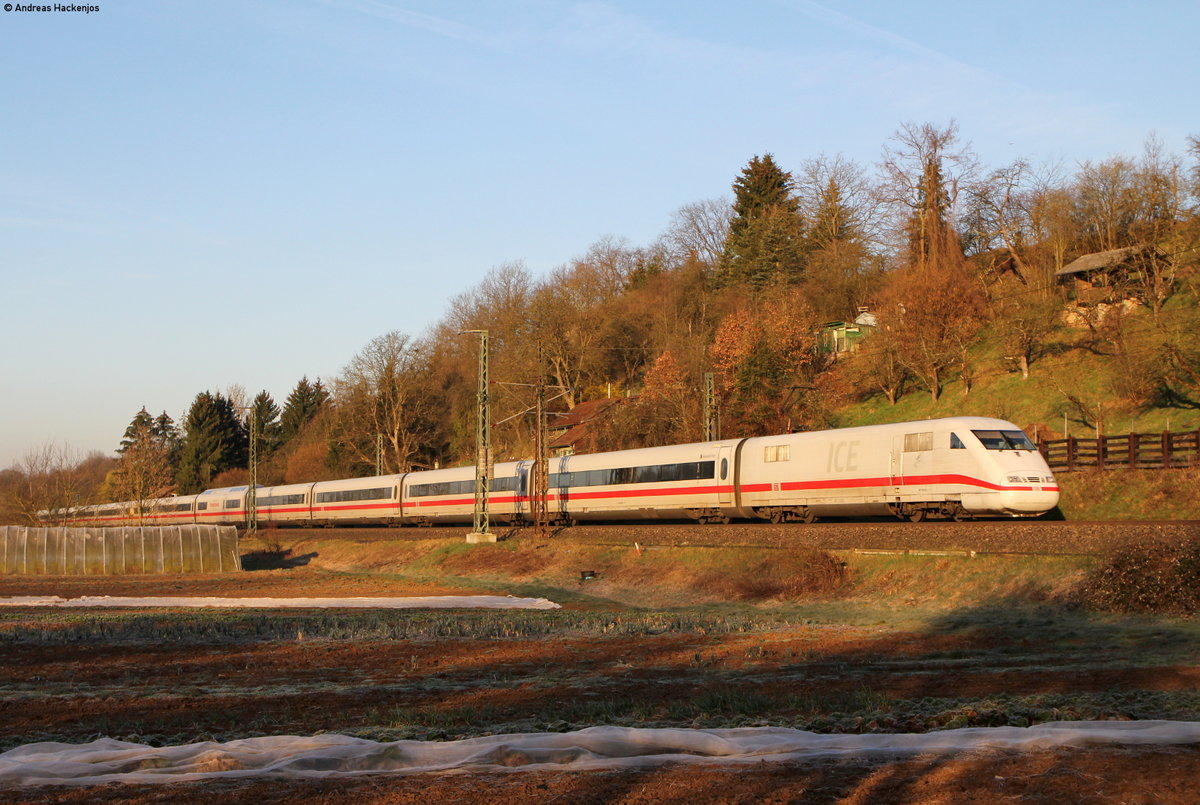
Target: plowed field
[{"x": 856, "y": 662}]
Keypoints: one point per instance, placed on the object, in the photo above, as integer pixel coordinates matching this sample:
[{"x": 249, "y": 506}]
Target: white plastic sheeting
[
  {"x": 426, "y": 602},
  {"x": 283, "y": 757}
]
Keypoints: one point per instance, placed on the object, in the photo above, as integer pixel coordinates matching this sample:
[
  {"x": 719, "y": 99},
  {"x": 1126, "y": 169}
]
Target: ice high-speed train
[{"x": 958, "y": 467}]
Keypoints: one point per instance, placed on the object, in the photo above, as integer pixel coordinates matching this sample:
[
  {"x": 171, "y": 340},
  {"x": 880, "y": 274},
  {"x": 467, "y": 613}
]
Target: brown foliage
[
  {"x": 765, "y": 358},
  {"x": 934, "y": 312}
]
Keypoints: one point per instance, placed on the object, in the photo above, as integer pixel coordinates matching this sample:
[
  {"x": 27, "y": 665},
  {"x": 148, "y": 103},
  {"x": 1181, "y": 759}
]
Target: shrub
[{"x": 1151, "y": 577}]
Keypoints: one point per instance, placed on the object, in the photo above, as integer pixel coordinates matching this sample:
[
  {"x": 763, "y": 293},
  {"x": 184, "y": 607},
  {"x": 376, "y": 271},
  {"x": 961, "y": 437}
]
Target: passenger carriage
[
  {"x": 358, "y": 500},
  {"x": 283, "y": 505},
  {"x": 225, "y": 506}
]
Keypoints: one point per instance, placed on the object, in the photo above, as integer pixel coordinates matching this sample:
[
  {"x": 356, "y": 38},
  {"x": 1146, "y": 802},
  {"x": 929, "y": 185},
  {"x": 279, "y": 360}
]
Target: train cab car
[
  {"x": 953, "y": 467},
  {"x": 225, "y": 506},
  {"x": 357, "y": 501},
  {"x": 283, "y": 505}
]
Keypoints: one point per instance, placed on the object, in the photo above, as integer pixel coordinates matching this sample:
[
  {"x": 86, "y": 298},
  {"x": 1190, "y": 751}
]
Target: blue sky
[{"x": 201, "y": 194}]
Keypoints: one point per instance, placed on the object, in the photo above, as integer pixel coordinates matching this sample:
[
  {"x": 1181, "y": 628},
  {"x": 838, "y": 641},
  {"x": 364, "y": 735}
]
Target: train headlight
[
  {"x": 1014, "y": 479},
  {"x": 1049, "y": 479}
]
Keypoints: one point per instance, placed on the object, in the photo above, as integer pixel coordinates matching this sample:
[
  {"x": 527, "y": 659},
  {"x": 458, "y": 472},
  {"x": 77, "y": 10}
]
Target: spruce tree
[
  {"x": 766, "y": 236},
  {"x": 214, "y": 441},
  {"x": 141, "y": 427},
  {"x": 145, "y": 469},
  {"x": 266, "y": 418},
  {"x": 167, "y": 435},
  {"x": 301, "y": 405}
]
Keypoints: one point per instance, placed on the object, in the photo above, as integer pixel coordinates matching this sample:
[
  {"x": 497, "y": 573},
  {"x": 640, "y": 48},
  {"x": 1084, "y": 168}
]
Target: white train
[{"x": 958, "y": 467}]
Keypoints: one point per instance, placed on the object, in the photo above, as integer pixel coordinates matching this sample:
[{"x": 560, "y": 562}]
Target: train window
[
  {"x": 508, "y": 484},
  {"x": 280, "y": 500},
  {"x": 1004, "y": 440},
  {"x": 231, "y": 504},
  {"x": 724, "y": 468},
  {"x": 593, "y": 478},
  {"x": 443, "y": 488},
  {"x": 343, "y": 495},
  {"x": 645, "y": 475},
  {"x": 776, "y": 452},
  {"x": 202, "y": 505},
  {"x": 956, "y": 443},
  {"x": 917, "y": 442},
  {"x": 1019, "y": 440},
  {"x": 654, "y": 473}
]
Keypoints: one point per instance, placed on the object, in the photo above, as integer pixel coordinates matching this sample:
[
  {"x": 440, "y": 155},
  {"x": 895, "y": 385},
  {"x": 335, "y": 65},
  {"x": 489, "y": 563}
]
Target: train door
[
  {"x": 897, "y": 466},
  {"x": 523, "y": 503},
  {"x": 725, "y": 474},
  {"x": 558, "y": 485}
]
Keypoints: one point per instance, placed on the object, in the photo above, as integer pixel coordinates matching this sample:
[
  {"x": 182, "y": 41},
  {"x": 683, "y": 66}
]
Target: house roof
[
  {"x": 1098, "y": 261},
  {"x": 572, "y": 425},
  {"x": 584, "y": 412},
  {"x": 866, "y": 319}
]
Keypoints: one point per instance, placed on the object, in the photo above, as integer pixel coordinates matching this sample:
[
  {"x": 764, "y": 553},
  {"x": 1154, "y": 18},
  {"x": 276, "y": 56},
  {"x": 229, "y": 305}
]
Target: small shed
[
  {"x": 1102, "y": 277},
  {"x": 839, "y": 337}
]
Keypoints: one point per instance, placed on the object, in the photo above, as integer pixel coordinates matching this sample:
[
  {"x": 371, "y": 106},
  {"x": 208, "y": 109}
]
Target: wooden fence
[
  {"x": 1133, "y": 451},
  {"x": 108, "y": 551}
]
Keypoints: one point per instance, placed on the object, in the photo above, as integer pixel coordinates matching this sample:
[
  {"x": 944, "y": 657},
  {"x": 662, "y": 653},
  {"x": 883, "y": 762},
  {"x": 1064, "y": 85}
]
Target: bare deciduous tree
[
  {"x": 383, "y": 393},
  {"x": 51, "y": 483},
  {"x": 699, "y": 229}
]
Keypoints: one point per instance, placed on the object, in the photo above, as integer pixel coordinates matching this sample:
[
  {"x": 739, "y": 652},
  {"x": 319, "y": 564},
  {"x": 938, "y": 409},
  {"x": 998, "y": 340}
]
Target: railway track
[{"x": 1017, "y": 537}]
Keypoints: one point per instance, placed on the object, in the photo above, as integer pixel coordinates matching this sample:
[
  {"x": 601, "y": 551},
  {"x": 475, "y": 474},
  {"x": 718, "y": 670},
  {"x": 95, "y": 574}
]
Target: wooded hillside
[{"x": 818, "y": 295}]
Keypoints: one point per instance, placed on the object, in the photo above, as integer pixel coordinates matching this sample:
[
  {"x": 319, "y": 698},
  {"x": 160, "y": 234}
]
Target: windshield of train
[{"x": 1004, "y": 440}]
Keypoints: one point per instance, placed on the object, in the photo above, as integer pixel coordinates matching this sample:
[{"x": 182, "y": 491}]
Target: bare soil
[{"x": 75, "y": 676}]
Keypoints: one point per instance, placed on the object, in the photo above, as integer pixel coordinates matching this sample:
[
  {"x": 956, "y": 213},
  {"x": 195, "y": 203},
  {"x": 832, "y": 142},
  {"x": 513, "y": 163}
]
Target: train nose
[{"x": 1029, "y": 494}]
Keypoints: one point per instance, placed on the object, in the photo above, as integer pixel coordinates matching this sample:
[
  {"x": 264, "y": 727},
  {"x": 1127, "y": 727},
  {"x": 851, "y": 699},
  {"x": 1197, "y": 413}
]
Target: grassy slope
[{"x": 693, "y": 576}]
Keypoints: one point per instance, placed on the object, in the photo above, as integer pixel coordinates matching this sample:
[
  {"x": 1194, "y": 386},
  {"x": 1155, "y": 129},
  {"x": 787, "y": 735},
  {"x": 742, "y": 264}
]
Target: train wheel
[
  {"x": 778, "y": 517},
  {"x": 808, "y": 517},
  {"x": 916, "y": 515}
]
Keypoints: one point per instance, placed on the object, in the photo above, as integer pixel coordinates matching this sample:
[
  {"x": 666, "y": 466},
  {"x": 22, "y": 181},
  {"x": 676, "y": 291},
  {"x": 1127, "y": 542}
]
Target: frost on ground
[
  {"x": 423, "y": 602},
  {"x": 283, "y": 757}
]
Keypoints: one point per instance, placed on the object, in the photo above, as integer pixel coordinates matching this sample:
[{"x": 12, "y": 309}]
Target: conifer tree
[
  {"x": 145, "y": 469},
  {"x": 214, "y": 441},
  {"x": 266, "y": 418},
  {"x": 766, "y": 236},
  {"x": 305, "y": 401},
  {"x": 141, "y": 427}
]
